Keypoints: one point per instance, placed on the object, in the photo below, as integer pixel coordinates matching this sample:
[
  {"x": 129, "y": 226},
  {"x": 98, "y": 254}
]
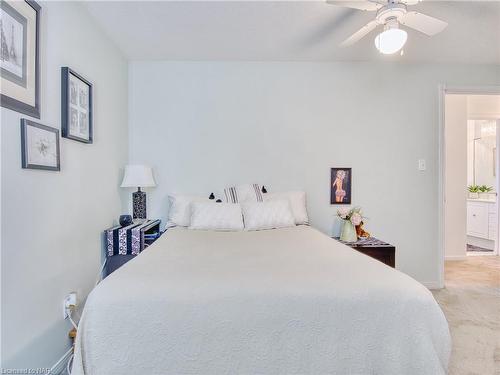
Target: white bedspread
[{"x": 287, "y": 301}]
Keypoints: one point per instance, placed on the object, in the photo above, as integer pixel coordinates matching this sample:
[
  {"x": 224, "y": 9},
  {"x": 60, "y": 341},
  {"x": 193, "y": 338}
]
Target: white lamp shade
[
  {"x": 391, "y": 40},
  {"x": 138, "y": 176}
]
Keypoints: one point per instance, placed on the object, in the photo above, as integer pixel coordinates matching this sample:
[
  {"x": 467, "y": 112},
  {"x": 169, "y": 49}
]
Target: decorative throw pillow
[
  {"x": 221, "y": 216},
  {"x": 244, "y": 193},
  {"x": 297, "y": 201},
  {"x": 179, "y": 212},
  {"x": 267, "y": 215}
]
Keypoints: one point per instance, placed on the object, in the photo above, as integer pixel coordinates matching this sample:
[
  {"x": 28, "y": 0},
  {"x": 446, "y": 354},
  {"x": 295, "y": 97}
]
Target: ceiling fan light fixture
[{"x": 391, "y": 40}]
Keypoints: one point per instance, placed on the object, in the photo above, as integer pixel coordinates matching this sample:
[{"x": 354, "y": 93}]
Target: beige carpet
[{"x": 471, "y": 303}]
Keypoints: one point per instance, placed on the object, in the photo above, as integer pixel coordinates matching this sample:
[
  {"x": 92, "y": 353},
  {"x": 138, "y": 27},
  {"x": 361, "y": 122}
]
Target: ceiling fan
[{"x": 391, "y": 14}]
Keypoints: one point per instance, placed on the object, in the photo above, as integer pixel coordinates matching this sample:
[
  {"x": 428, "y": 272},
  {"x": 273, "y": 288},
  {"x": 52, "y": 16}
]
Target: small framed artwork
[
  {"x": 39, "y": 146},
  {"x": 340, "y": 186},
  {"x": 76, "y": 106},
  {"x": 19, "y": 56}
]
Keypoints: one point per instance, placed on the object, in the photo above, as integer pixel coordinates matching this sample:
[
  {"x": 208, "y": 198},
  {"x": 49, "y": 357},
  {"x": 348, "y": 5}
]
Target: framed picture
[
  {"x": 76, "y": 106},
  {"x": 39, "y": 146},
  {"x": 19, "y": 56},
  {"x": 340, "y": 186}
]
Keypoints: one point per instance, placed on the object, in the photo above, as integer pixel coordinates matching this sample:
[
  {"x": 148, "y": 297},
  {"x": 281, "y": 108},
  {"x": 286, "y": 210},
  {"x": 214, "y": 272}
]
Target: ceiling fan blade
[
  {"x": 423, "y": 23},
  {"x": 359, "y": 4},
  {"x": 410, "y": 2},
  {"x": 360, "y": 33}
]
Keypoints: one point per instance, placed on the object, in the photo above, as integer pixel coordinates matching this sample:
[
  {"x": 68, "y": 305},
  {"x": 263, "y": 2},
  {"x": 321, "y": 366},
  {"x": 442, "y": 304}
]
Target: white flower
[
  {"x": 356, "y": 218},
  {"x": 343, "y": 212}
]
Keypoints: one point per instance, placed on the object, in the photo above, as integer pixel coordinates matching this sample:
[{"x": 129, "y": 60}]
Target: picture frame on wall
[
  {"x": 20, "y": 57},
  {"x": 340, "y": 185},
  {"x": 76, "y": 107},
  {"x": 39, "y": 146}
]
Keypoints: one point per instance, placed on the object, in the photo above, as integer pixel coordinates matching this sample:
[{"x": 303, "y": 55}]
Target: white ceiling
[{"x": 289, "y": 31}]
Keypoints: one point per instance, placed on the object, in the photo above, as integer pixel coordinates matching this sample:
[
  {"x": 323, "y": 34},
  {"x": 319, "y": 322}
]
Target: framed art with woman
[{"x": 340, "y": 186}]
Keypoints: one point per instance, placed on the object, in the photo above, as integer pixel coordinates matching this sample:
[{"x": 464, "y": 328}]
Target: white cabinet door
[{"x": 477, "y": 219}]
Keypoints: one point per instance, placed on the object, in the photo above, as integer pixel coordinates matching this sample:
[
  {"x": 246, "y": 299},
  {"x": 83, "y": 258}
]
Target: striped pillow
[{"x": 244, "y": 193}]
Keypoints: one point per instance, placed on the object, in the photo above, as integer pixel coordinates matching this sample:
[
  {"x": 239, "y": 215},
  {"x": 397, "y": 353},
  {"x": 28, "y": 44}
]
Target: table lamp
[{"x": 139, "y": 176}]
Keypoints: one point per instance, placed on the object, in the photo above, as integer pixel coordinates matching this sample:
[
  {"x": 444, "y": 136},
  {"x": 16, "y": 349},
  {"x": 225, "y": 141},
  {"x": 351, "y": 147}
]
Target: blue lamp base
[{"x": 139, "y": 204}]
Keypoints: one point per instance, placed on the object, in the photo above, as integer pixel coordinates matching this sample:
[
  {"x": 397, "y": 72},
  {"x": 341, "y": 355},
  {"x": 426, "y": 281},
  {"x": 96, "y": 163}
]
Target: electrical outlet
[{"x": 68, "y": 301}]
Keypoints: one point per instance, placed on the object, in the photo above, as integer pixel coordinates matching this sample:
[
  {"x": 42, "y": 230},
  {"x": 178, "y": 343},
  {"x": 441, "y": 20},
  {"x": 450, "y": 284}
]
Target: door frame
[{"x": 443, "y": 90}]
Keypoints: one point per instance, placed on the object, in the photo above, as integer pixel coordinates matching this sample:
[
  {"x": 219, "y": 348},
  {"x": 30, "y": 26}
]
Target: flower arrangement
[
  {"x": 352, "y": 218},
  {"x": 353, "y": 215}
]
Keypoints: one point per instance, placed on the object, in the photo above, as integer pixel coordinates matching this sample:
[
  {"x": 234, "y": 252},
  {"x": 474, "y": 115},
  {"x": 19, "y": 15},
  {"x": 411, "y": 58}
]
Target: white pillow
[
  {"x": 267, "y": 215},
  {"x": 179, "y": 212},
  {"x": 244, "y": 193},
  {"x": 297, "y": 201},
  {"x": 216, "y": 216}
]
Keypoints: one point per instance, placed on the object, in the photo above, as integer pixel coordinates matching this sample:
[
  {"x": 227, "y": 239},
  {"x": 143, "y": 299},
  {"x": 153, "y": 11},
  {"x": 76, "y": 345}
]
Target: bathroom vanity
[{"x": 482, "y": 222}]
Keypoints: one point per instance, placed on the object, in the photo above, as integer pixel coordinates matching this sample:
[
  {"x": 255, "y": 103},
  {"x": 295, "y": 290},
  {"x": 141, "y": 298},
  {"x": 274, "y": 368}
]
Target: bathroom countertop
[{"x": 481, "y": 200}]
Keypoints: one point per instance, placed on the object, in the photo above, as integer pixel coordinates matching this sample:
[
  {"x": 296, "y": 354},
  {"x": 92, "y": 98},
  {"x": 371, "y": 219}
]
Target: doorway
[
  {"x": 482, "y": 182},
  {"x": 469, "y": 174}
]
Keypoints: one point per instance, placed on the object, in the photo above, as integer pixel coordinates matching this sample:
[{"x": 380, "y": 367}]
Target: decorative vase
[
  {"x": 473, "y": 195},
  {"x": 125, "y": 220},
  {"x": 348, "y": 232}
]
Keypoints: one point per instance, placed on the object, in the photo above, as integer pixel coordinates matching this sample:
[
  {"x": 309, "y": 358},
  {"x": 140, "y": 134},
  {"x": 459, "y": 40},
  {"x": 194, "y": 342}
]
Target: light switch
[{"x": 421, "y": 165}]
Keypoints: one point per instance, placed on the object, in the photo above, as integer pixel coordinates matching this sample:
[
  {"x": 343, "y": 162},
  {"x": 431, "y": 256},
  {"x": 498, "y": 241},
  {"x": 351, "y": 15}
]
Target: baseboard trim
[
  {"x": 432, "y": 285},
  {"x": 455, "y": 257},
  {"x": 60, "y": 366}
]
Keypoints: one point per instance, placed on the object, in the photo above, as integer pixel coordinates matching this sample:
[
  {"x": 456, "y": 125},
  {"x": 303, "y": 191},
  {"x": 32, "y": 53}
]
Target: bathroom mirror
[{"x": 482, "y": 151}]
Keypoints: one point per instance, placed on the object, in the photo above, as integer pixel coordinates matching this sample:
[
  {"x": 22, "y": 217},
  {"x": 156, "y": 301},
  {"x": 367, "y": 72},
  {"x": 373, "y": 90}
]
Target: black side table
[
  {"x": 375, "y": 248},
  {"x": 125, "y": 243}
]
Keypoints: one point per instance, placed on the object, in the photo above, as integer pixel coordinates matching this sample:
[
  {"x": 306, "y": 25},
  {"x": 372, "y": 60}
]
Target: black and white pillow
[{"x": 244, "y": 193}]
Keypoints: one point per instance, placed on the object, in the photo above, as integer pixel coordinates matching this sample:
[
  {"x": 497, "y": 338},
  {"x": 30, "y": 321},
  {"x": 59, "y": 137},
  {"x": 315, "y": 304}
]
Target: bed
[{"x": 283, "y": 301}]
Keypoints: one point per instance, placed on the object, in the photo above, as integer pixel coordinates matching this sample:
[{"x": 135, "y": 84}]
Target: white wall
[
  {"x": 455, "y": 208},
  {"x": 204, "y": 125},
  {"x": 52, "y": 221}
]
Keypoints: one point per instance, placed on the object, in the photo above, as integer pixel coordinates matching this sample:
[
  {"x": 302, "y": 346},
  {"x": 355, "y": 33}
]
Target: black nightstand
[
  {"x": 125, "y": 243},
  {"x": 374, "y": 248}
]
